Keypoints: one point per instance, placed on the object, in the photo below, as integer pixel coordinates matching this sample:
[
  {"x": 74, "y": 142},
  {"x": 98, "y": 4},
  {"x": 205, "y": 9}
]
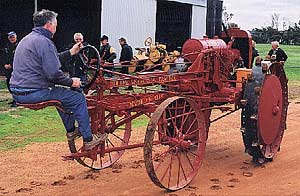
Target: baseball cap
[
  {"x": 122, "y": 39},
  {"x": 103, "y": 38},
  {"x": 11, "y": 33}
]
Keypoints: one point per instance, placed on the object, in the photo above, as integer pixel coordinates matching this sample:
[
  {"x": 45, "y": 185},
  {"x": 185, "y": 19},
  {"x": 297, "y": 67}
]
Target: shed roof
[{"x": 201, "y": 3}]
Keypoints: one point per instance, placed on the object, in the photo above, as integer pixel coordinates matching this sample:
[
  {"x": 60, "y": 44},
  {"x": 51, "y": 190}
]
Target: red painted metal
[
  {"x": 181, "y": 129},
  {"x": 179, "y": 110},
  {"x": 270, "y": 109},
  {"x": 279, "y": 93}
]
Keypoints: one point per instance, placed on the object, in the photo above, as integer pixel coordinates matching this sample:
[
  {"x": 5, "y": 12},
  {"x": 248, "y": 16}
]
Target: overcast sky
[{"x": 249, "y": 14}]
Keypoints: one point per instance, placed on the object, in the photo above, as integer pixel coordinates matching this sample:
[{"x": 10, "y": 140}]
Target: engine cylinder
[{"x": 192, "y": 47}]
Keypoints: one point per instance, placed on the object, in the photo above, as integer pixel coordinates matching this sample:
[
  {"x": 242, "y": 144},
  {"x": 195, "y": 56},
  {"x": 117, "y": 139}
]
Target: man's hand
[
  {"x": 76, "y": 48},
  {"x": 7, "y": 66},
  {"x": 76, "y": 82}
]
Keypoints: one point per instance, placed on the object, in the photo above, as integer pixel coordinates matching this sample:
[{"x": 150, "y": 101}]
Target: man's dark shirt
[
  {"x": 36, "y": 63},
  {"x": 75, "y": 67},
  {"x": 126, "y": 53},
  {"x": 9, "y": 52},
  {"x": 280, "y": 54}
]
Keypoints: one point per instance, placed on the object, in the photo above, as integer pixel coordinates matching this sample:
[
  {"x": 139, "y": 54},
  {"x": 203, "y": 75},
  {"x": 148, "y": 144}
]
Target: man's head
[
  {"x": 12, "y": 37},
  {"x": 122, "y": 41},
  {"x": 78, "y": 37},
  {"x": 104, "y": 40},
  {"x": 275, "y": 45},
  {"x": 258, "y": 60},
  {"x": 46, "y": 19}
]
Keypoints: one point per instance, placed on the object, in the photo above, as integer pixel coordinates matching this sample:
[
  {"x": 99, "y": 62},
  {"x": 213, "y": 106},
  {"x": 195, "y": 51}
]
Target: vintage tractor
[
  {"x": 155, "y": 56},
  {"x": 179, "y": 105}
]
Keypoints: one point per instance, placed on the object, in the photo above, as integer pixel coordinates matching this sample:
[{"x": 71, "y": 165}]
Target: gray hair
[
  {"x": 276, "y": 43},
  {"x": 78, "y": 35},
  {"x": 40, "y": 18}
]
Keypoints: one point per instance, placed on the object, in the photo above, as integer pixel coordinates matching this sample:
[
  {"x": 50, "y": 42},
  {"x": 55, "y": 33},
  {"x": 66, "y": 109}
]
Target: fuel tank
[{"x": 192, "y": 47}]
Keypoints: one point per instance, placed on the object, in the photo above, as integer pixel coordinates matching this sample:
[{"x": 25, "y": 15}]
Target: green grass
[
  {"x": 22, "y": 126},
  {"x": 19, "y": 127},
  {"x": 2, "y": 84},
  {"x": 292, "y": 65}
]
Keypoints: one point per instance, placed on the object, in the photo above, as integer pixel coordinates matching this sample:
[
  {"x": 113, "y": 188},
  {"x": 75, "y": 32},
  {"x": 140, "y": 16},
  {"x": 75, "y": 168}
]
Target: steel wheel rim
[
  {"x": 186, "y": 161},
  {"x": 115, "y": 139}
]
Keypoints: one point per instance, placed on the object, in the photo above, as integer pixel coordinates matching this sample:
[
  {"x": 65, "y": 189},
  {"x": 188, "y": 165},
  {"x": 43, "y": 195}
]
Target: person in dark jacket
[
  {"x": 9, "y": 52},
  {"x": 276, "y": 53},
  {"x": 126, "y": 54},
  {"x": 125, "y": 57},
  {"x": 76, "y": 67},
  {"x": 107, "y": 53},
  {"x": 37, "y": 71}
]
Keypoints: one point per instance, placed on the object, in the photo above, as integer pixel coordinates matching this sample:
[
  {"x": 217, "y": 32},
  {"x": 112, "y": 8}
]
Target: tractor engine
[{"x": 217, "y": 61}]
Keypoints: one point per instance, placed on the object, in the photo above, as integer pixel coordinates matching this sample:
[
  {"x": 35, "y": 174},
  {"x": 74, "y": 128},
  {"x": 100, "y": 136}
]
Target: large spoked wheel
[
  {"x": 175, "y": 143},
  {"x": 107, "y": 153},
  {"x": 90, "y": 58},
  {"x": 272, "y": 111}
]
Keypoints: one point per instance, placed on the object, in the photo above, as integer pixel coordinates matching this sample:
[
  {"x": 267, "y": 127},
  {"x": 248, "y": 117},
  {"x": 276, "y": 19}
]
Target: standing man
[
  {"x": 107, "y": 53},
  {"x": 76, "y": 67},
  {"x": 9, "y": 57},
  {"x": 276, "y": 53},
  {"x": 126, "y": 54},
  {"x": 37, "y": 71},
  {"x": 125, "y": 57}
]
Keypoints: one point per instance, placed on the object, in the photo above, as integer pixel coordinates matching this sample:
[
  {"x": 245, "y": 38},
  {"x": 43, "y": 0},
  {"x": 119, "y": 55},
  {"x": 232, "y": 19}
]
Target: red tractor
[{"x": 212, "y": 75}]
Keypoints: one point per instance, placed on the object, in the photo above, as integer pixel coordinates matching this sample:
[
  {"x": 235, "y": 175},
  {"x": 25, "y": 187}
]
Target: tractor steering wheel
[{"x": 90, "y": 58}]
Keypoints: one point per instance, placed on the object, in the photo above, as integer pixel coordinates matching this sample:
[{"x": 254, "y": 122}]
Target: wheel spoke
[
  {"x": 191, "y": 125},
  {"x": 194, "y": 154},
  {"x": 169, "y": 166},
  {"x": 186, "y": 117},
  {"x": 189, "y": 160},
  {"x": 174, "y": 125},
  {"x": 109, "y": 152},
  {"x": 180, "y": 163},
  {"x": 118, "y": 137}
]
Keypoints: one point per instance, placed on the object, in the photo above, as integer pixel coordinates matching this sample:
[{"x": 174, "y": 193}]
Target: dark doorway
[
  {"x": 173, "y": 23},
  {"x": 15, "y": 15},
  {"x": 75, "y": 16}
]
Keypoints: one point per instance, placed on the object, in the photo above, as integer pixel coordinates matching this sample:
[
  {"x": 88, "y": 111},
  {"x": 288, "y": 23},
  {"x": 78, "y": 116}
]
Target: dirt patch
[{"x": 39, "y": 170}]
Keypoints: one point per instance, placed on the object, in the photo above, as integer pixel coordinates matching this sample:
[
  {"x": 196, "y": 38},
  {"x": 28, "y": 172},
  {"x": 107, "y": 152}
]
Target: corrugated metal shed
[
  {"x": 132, "y": 19},
  {"x": 136, "y": 19}
]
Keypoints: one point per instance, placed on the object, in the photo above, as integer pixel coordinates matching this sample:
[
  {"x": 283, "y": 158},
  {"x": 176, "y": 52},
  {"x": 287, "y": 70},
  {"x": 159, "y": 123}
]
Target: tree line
[{"x": 289, "y": 35}]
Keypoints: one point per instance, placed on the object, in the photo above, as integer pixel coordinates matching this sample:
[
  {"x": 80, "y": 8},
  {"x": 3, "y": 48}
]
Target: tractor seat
[{"x": 41, "y": 105}]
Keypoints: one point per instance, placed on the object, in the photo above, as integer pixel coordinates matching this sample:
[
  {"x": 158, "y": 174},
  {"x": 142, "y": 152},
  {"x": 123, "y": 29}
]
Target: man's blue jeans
[{"x": 72, "y": 101}]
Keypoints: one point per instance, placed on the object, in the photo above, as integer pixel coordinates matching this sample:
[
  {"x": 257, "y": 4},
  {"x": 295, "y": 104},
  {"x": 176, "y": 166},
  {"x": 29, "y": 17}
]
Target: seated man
[{"x": 37, "y": 71}]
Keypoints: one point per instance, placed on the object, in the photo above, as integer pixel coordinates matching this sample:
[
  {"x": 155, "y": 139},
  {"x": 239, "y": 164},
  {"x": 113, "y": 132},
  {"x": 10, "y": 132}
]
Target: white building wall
[
  {"x": 136, "y": 20},
  {"x": 198, "y": 21},
  {"x": 133, "y": 19}
]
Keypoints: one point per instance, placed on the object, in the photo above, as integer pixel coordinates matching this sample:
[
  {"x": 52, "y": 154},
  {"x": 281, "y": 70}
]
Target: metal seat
[{"x": 42, "y": 105}]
